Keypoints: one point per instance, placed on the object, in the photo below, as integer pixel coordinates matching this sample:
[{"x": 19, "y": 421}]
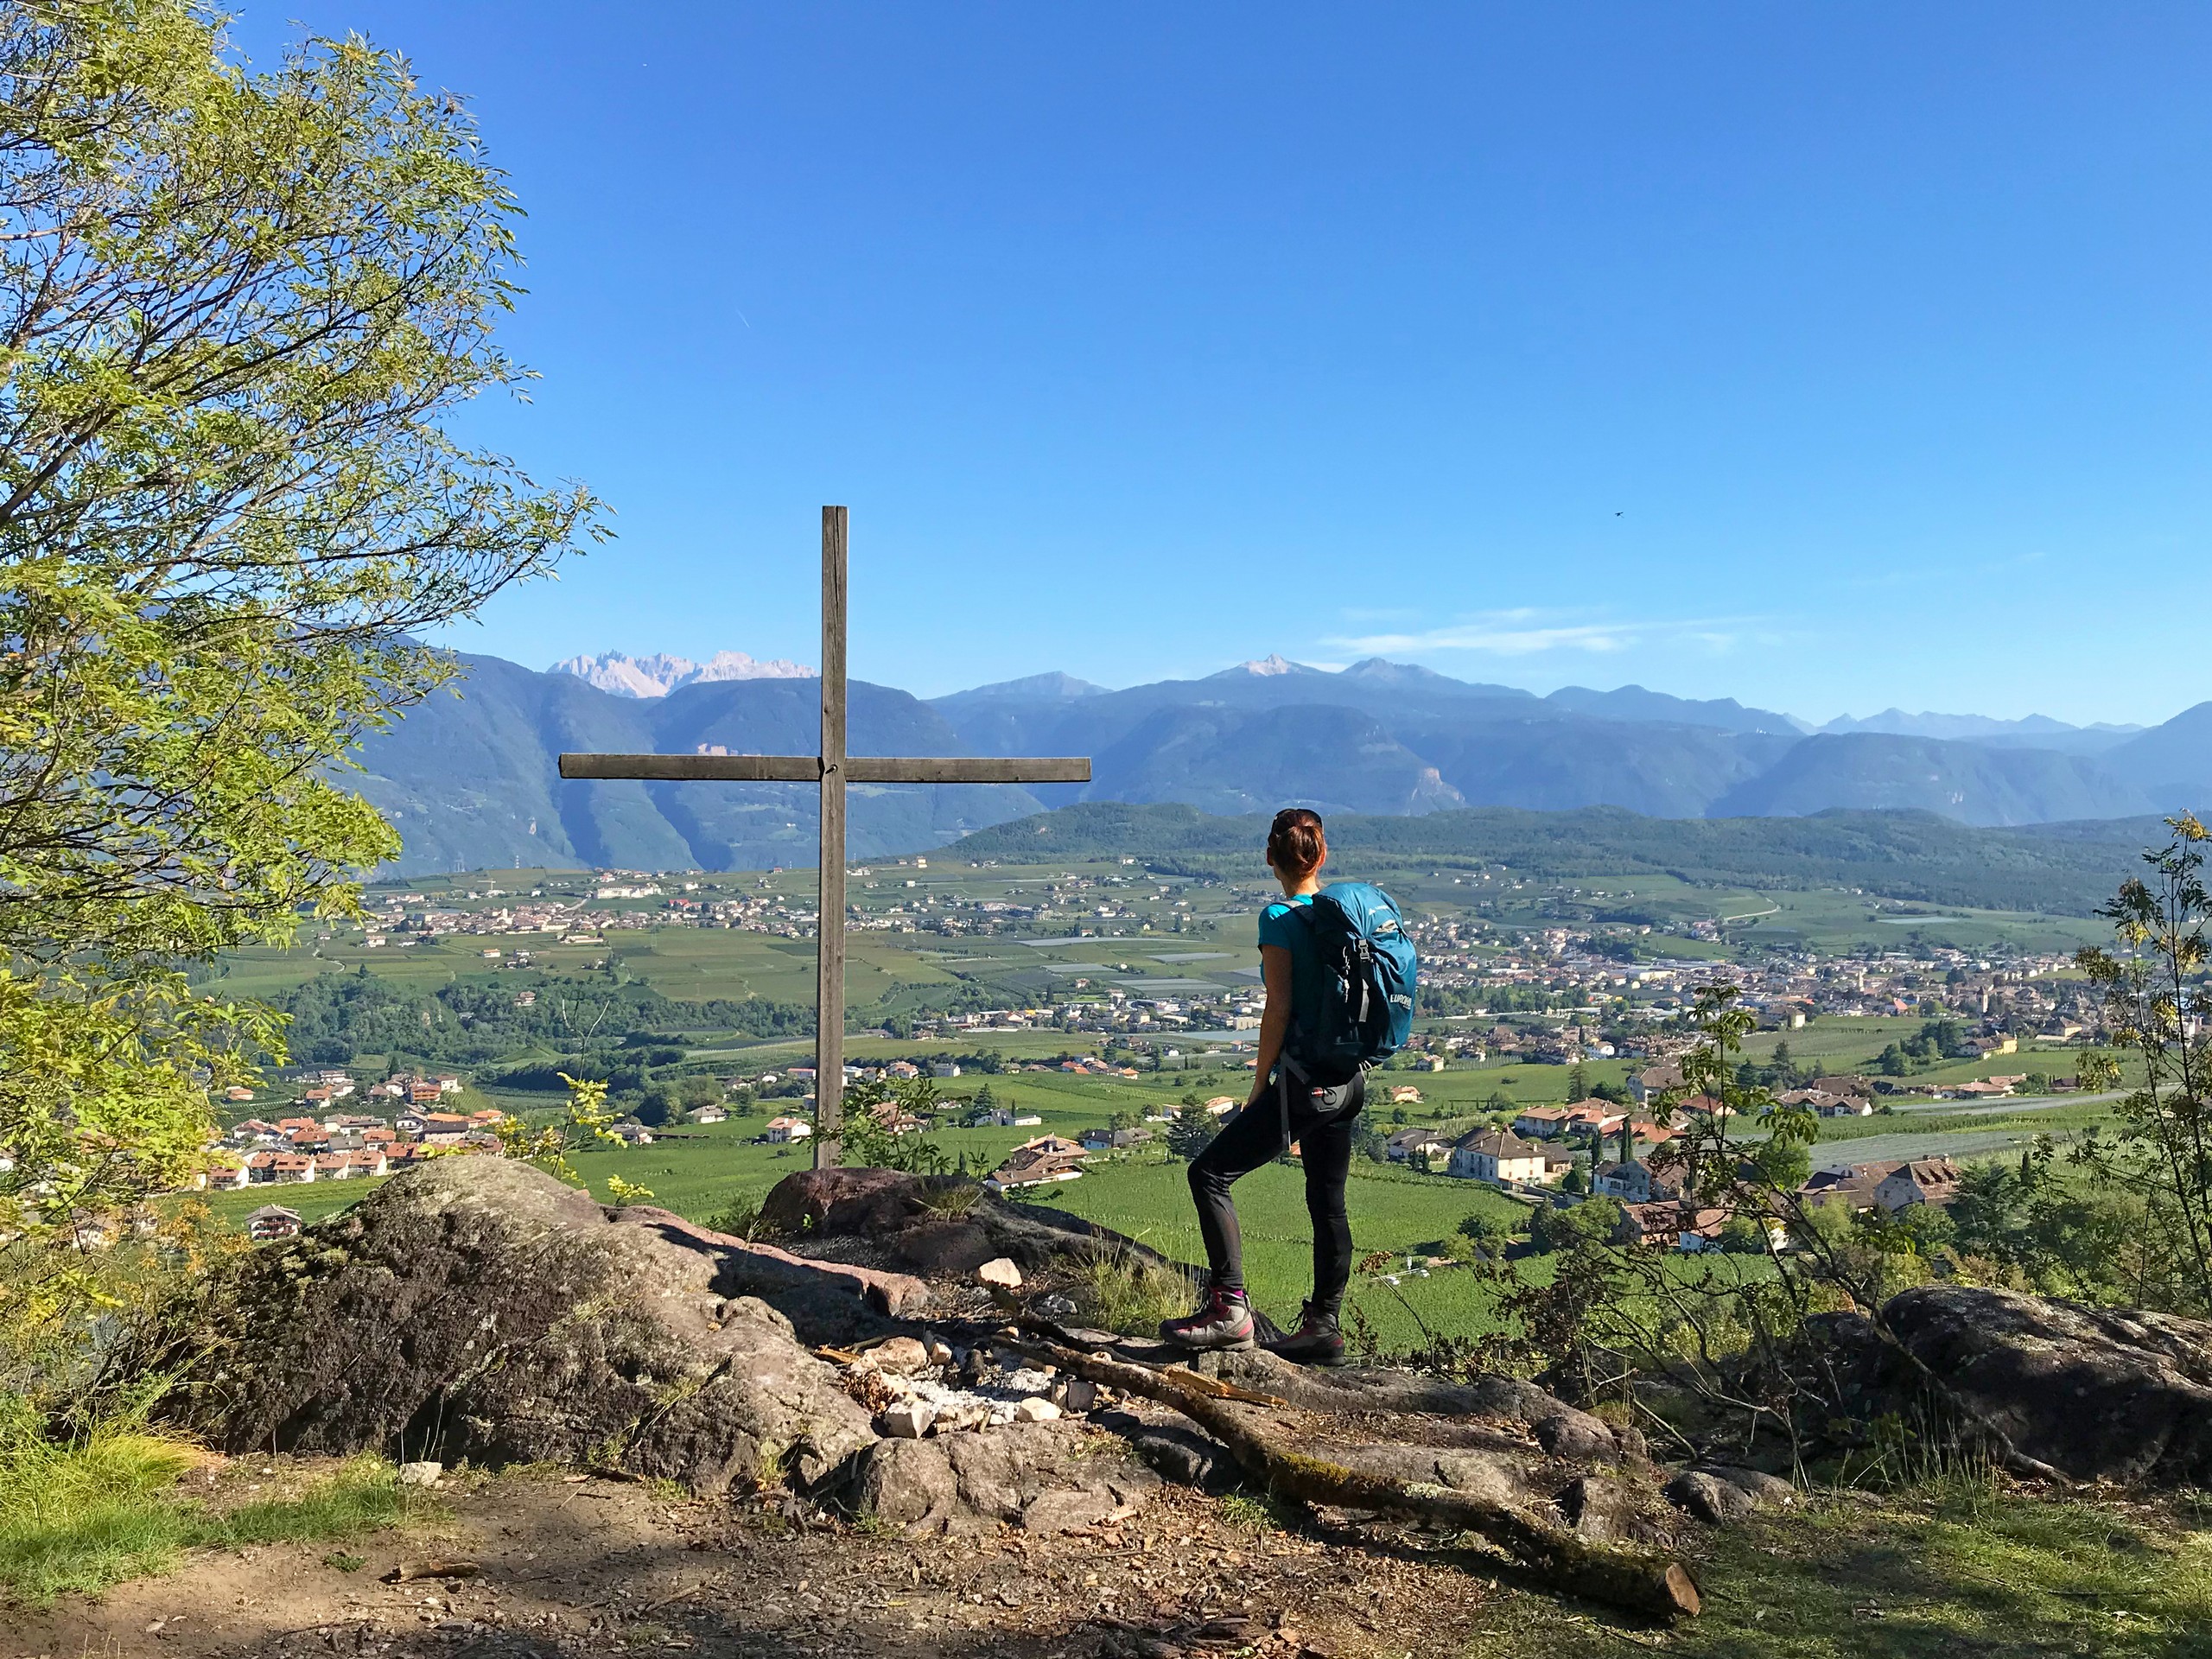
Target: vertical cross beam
[
  {"x": 835, "y": 769},
  {"x": 829, "y": 930}
]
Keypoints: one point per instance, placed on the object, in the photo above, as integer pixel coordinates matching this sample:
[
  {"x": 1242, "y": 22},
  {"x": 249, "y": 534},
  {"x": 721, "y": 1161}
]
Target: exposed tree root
[{"x": 1624, "y": 1576}]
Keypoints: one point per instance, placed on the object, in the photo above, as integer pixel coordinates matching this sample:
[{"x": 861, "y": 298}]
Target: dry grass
[{"x": 1131, "y": 1295}]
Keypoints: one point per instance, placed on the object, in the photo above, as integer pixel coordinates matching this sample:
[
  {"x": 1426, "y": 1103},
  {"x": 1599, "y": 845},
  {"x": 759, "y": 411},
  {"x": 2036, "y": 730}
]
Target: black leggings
[{"x": 1252, "y": 1137}]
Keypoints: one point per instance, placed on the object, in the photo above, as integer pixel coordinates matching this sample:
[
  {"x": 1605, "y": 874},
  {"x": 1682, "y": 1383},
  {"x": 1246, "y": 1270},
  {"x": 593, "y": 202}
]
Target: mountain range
[
  {"x": 471, "y": 779},
  {"x": 659, "y": 675}
]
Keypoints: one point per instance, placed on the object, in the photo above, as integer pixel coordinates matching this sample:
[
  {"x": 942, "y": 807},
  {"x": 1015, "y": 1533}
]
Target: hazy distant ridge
[{"x": 473, "y": 781}]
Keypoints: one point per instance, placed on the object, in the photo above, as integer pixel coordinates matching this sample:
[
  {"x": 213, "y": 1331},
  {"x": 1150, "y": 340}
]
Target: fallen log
[
  {"x": 1215, "y": 1389},
  {"x": 1624, "y": 1576}
]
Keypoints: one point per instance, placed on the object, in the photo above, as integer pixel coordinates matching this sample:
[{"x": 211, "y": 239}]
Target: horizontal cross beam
[{"x": 808, "y": 768}]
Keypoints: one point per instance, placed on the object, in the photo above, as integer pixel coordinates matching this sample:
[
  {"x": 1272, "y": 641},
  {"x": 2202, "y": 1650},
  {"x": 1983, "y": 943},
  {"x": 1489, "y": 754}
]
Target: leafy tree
[
  {"x": 1579, "y": 1226},
  {"x": 1190, "y": 1132},
  {"x": 238, "y": 307},
  {"x": 1482, "y": 1229},
  {"x": 2157, "y": 1003}
]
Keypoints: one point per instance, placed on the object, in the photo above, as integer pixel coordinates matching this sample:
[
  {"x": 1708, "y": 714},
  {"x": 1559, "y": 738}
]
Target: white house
[
  {"x": 789, "y": 1129},
  {"x": 1499, "y": 1156}
]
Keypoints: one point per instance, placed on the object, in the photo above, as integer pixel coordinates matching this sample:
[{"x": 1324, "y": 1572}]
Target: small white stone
[
  {"x": 939, "y": 1352},
  {"x": 1001, "y": 1272},
  {"x": 1035, "y": 1409},
  {"x": 908, "y": 1420},
  {"x": 420, "y": 1474}
]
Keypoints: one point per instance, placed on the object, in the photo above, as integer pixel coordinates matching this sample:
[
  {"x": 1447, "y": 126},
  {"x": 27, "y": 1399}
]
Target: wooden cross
[{"x": 833, "y": 768}]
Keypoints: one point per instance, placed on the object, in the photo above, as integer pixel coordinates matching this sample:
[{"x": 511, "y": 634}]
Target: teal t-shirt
[{"x": 1279, "y": 927}]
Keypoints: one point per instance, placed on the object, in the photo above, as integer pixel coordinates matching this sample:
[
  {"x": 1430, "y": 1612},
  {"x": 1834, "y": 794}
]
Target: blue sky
[{"x": 1828, "y": 358}]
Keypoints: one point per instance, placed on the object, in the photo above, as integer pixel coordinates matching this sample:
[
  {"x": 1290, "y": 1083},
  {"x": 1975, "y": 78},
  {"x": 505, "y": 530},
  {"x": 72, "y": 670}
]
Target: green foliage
[
  {"x": 237, "y": 307},
  {"x": 335, "y": 1018},
  {"x": 1192, "y": 1131},
  {"x": 2096, "y": 1071},
  {"x": 871, "y": 1107},
  {"x": 1482, "y": 1228},
  {"x": 1743, "y": 1235},
  {"x": 2158, "y": 1004},
  {"x": 2051, "y": 1225},
  {"x": 590, "y": 1122},
  {"x": 740, "y": 1218},
  {"x": 1578, "y": 1227}
]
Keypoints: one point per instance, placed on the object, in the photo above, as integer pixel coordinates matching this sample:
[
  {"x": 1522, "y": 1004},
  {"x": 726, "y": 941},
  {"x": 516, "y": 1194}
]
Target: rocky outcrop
[
  {"x": 2088, "y": 1393},
  {"x": 477, "y": 1308},
  {"x": 939, "y": 1226}
]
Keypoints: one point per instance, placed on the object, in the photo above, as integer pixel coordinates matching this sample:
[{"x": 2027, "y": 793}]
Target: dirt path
[{"x": 571, "y": 1567}]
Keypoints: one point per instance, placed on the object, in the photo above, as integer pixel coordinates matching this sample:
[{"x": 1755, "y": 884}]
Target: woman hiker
[{"x": 1285, "y": 1106}]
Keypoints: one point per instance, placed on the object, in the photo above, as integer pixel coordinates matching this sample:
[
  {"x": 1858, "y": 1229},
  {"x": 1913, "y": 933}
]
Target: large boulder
[
  {"x": 477, "y": 1308},
  {"x": 943, "y": 1225},
  {"x": 2093, "y": 1393}
]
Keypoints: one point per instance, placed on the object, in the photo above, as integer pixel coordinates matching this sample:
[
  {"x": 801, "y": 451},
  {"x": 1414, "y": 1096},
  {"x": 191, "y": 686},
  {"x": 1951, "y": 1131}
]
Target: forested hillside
[{"x": 2060, "y": 870}]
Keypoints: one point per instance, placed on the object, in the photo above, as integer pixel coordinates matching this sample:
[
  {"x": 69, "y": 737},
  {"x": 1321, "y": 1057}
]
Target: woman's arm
[{"x": 1275, "y": 1022}]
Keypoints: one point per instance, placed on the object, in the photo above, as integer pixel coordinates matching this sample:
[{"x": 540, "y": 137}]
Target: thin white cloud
[{"x": 1528, "y": 633}]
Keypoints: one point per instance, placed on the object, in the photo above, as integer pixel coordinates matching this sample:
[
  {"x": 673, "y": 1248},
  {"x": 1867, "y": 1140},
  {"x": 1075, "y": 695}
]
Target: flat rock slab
[
  {"x": 1043, "y": 1477},
  {"x": 817, "y": 1297}
]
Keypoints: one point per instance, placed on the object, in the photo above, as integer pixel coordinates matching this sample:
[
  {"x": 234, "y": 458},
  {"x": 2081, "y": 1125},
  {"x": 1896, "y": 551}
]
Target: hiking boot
[
  {"x": 1316, "y": 1342},
  {"x": 1223, "y": 1319}
]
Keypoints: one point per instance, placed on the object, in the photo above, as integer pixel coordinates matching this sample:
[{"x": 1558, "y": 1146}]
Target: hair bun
[{"x": 1296, "y": 842}]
